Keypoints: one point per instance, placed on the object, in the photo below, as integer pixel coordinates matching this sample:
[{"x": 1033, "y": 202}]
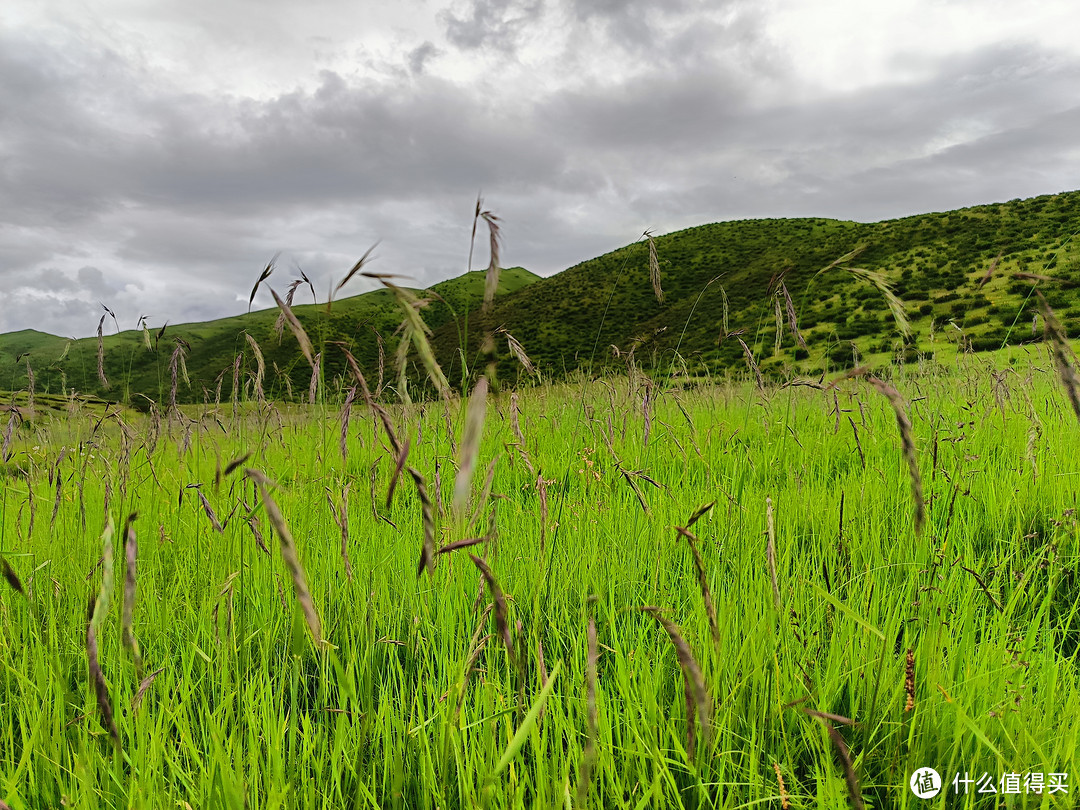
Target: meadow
[{"x": 686, "y": 592}]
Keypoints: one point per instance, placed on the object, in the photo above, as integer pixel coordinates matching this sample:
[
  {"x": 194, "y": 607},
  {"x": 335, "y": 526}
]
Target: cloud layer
[{"x": 157, "y": 165}]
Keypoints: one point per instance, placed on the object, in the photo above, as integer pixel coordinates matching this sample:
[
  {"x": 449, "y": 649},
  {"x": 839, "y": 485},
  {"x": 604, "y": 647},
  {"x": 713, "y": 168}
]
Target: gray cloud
[
  {"x": 421, "y": 55},
  {"x": 119, "y": 182},
  {"x": 491, "y": 23}
]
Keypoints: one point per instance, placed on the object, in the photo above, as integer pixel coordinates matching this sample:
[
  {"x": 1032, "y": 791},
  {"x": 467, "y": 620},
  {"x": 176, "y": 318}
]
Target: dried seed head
[
  {"x": 260, "y": 366},
  {"x": 472, "y": 541},
  {"x": 289, "y": 555},
  {"x": 907, "y": 441},
  {"x": 297, "y": 329},
  {"x": 147, "y": 682},
  {"x": 1062, "y": 354},
  {"x": 700, "y": 512},
  {"x": 693, "y": 680},
  {"x": 341, "y": 517},
  {"x": 793, "y": 320},
  {"x": 207, "y": 508},
  {"x": 909, "y": 682},
  {"x": 355, "y": 269},
  {"x": 262, "y": 277},
  {"x": 785, "y": 802},
  {"x": 703, "y": 583},
  {"x": 101, "y": 355},
  {"x": 313, "y": 386},
  {"x": 518, "y": 351},
  {"x": 502, "y": 626},
  {"x": 470, "y": 444},
  {"x": 752, "y": 364},
  {"x": 427, "y": 551},
  {"x": 97, "y": 678},
  {"x": 12, "y": 578},
  {"x": 403, "y": 455},
  {"x": 896, "y": 306},
  {"x": 770, "y": 551},
  {"x": 131, "y": 548},
  {"x": 654, "y": 268},
  {"x": 588, "y": 758},
  {"x": 491, "y": 281}
]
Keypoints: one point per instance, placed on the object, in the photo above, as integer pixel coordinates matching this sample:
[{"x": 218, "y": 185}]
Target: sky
[{"x": 155, "y": 156}]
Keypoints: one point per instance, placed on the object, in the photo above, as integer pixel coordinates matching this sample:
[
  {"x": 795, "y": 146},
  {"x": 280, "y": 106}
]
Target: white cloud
[{"x": 174, "y": 147}]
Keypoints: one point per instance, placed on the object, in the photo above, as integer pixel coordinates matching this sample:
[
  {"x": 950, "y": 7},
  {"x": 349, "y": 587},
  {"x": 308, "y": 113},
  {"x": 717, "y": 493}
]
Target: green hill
[
  {"x": 933, "y": 262},
  {"x": 61, "y": 365}
]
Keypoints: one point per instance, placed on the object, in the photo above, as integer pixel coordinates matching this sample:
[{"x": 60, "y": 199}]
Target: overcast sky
[{"x": 154, "y": 156}]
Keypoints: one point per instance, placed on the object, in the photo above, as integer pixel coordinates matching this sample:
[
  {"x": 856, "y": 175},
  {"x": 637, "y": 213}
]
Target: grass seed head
[
  {"x": 770, "y": 551},
  {"x": 699, "y": 513},
  {"x": 896, "y": 306},
  {"x": 12, "y": 578},
  {"x": 279, "y": 324},
  {"x": 9, "y": 432},
  {"x": 1062, "y": 354},
  {"x": 313, "y": 386},
  {"x": 909, "y": 682},
  {"x": 470, "y": 444},
  {"x": 208, "y": 509},
  {"x": 97, "y": 677},
  {"x": 289, "y": 555},
  {"x": 131, "y": 549},
  {"x": 297, "y": 329},
  {"x": 502, "y": 626},
  {"x": 108, "y": 576},
  {"x": 518, "y": 351},
  {"x": 427, "y": 551},
  {"x": 146, "y": 683},
  {"x": 854, "y": 792},
  {"x": 260, "y": 366},
  {"x": 703, "y": 583},
  {"x": 101, "y": 355},
  {"x": 491, "y": 280},
  {"x": 341, "y": 518},
  {"x": 472, "y": 541},
  {"x": 785, "y": 802},
  {"x": 402, "y": 457},
  {"x": 588, "y": 759},
  {"x": 654, "y": 268},
  {"x": 793, "y": 320},
  {"x": 355, "y": 269},
  {"x": 693, "y": 679},
  {"x": 752, "y": 364},
  {"x": 907, "y": 441},
  {"x": 263, "y": 276}
]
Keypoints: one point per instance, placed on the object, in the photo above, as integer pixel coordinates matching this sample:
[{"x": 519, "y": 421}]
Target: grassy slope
[
  {"x": 934, "y": 262},
  {"x": 246, "y": 713},
  {"x": 131, "y": 369}
]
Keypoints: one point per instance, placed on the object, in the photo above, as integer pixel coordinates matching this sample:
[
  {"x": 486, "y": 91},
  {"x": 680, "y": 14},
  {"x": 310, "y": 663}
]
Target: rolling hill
[
  {"x": 934, "y": 263},
  {"x": 720, "y": 282},
  {"x": 136, "y": 372}
]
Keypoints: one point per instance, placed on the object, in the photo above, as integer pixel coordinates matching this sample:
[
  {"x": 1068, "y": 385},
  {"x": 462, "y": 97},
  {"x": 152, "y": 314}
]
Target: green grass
[{"x": 247, "y": 711}]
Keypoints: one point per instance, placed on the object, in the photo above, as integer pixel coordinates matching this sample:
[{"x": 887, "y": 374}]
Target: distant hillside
[
  {"x": 60, "y": 364},
  {"x": 933, "y": 261}
]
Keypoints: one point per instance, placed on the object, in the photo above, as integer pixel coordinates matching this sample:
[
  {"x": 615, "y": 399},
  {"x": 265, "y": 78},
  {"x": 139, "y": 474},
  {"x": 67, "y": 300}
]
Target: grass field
[{"x": 841, "y": 652}]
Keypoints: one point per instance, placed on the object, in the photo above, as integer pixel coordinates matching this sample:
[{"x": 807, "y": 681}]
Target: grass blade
[{"x": 527, "y": 725}]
